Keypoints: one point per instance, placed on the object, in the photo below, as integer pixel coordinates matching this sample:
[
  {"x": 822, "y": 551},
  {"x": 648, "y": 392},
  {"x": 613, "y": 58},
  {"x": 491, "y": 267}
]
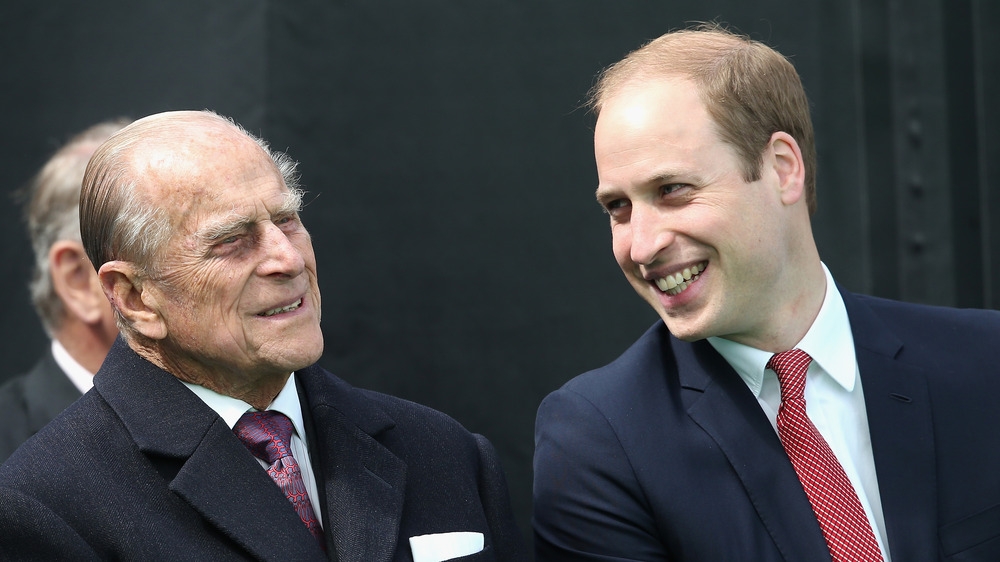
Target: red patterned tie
[
  {"x": 848, "y": 534},
  {"x": 267, "y": 435}
]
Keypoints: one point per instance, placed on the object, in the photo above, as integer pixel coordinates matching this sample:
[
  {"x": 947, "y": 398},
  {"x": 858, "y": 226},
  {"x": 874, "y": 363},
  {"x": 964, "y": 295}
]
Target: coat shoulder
[
  {"x": 406, "y": 427},
  {"x": 652, "y": 355},
  {"x": 421, "y": 422}
]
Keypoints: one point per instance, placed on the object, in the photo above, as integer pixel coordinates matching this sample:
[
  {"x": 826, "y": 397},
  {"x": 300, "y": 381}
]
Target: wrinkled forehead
[{"x": 192, "y": 175}]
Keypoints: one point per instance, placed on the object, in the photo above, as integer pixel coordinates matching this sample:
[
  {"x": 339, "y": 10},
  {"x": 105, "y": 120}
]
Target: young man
[{"x": 698, "y": 442}]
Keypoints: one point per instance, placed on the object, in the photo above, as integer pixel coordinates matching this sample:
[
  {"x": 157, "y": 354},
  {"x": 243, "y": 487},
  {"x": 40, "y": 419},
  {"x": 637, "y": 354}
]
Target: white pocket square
[{"x": 445, "y": 546}]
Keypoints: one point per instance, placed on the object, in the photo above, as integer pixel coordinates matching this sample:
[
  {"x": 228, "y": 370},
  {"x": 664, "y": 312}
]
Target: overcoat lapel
[
  {"x": 899, "y": 421},
  {"x": 205, "y": 464},
  {"x": 725, "y": 408},
  {"x": 362, "y": 482},
  {"x": 228, "y": 487}
]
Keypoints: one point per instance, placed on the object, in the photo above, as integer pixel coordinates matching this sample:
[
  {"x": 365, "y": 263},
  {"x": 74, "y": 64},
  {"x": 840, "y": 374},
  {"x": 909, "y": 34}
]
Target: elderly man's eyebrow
[
  {"x": 232, "y": 225},
  {"x": 237, "y": 223},
  {"x": 291, "y": 205}
]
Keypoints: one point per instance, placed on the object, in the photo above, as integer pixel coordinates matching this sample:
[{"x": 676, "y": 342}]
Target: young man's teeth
[
  {"x": 676, "y": 283},
  {"x": 288, "y": 308},
  {"x": 666, "y": 283}
]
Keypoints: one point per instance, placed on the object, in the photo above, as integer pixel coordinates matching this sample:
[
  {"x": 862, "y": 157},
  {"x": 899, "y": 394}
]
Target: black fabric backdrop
[{"x": 463, "y": 261}]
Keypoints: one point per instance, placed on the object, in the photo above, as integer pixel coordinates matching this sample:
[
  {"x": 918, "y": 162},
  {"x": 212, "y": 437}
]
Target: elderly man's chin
[
  {"x": 289, "y": 344},
  {"x": 296, "y": 352}
]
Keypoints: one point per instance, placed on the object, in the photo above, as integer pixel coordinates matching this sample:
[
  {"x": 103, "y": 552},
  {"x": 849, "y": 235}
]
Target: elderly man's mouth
[
  {"x": 678, "y": 282},
  {"x": 294, "y": 306}
]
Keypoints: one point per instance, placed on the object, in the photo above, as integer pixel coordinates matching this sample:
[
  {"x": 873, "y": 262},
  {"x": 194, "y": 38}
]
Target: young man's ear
[
  {"x": 123, "y": 285},
  {"x": 786, "y": 157},
  {"x": 76, "y": 282}
]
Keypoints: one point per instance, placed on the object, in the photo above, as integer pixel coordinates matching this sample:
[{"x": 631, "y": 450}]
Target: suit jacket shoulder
[
  {"x": 31, "y": 400},
  {"x": 934, "y": 333}
]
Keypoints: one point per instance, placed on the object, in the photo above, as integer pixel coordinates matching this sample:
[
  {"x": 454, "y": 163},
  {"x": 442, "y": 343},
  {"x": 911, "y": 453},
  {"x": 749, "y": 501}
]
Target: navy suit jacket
[
  {"x": 31, "y": 400},
  {"x": 665, "y": 454},
  {"x": 141, "y": 469}
]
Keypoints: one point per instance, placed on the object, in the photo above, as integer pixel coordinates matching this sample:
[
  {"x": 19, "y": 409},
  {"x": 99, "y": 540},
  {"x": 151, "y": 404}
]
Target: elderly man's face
[{"x": 237, "y": 290}]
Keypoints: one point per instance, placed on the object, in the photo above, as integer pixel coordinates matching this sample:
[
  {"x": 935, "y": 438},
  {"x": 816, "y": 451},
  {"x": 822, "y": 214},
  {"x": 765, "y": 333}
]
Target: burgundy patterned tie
[
  {"x": 843, "y": 521},
  {"x": 268, "y": 436}
]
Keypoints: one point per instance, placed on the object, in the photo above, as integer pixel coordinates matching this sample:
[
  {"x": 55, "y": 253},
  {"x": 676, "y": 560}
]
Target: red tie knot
[{"x": 791, "y": 367}]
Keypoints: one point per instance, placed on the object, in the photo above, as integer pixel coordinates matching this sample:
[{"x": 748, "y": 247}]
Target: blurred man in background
[{"x": 65, "y": 292}]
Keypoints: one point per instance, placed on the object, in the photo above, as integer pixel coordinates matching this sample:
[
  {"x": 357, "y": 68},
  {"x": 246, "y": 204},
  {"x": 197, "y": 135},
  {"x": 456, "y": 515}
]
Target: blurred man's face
[
  {"x": 703, "y": 247},
  {"x": 238, "y": 291}
]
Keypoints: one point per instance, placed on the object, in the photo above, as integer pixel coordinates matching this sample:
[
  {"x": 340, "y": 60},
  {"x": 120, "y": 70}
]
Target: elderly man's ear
[{"x": 122, "y": 282}]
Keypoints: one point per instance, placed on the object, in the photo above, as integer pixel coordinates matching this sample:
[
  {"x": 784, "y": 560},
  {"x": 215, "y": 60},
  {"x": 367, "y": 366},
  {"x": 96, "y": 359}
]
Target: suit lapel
[
  {"x": 47, "y": 392},
  {"x": 204, "y": 463},
  {"x": 362, "y": 482},
  {"x": 899, "y": 422},
  {"x": 724, "y": 407}
]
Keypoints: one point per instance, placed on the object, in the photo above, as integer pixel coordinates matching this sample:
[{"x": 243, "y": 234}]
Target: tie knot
[
  {"x": 266, "y": 434},
  {"x": 791, "y": 367}
]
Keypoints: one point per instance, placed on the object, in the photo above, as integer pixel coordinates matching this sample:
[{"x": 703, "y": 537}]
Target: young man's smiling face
[{"x": 705, "y": 248}]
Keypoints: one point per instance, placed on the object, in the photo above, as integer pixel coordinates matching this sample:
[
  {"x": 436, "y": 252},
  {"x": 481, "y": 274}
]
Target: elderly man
[
  {"x": 66, "y": 293},
  {"x": 769, "y": 415},
  {"x": 210, "y": 434}
]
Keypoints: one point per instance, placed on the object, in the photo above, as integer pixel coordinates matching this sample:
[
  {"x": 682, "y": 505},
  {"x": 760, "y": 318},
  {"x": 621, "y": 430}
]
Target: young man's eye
[
  {"x": 614, "y": 205},
  {"x": 672, "y": 187}
]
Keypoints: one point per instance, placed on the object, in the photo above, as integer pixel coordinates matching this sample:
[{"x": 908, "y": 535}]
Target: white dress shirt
[
  {"x": 835, "y": 400},
  {"x": 81, "y": 378},
  {"x": 287, "y": 402}
]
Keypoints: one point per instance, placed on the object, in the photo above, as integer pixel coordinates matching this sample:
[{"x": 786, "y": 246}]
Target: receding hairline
[
  {"x": 163, "y": 142},
  {"x": 707, "y": 41},
  {"x": 176, "y": 119},
  {"x": 164, "y": 130}
]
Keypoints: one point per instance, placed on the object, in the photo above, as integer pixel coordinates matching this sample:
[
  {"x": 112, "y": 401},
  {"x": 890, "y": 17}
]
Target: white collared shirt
[
  {"x": 81, "y": 378},
  {"x": 286, "y": 402},
  {"x": 835, "y": 400}
]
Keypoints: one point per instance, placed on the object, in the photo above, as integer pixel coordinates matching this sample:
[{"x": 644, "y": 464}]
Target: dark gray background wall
[{"x": 462, "y": 259}]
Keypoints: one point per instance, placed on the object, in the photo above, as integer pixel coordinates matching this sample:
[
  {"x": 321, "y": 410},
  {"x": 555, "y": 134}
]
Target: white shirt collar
[
  {"x": 829, "y": 341},
  {"x": 230, "y": 409},
  {"x": 81, "y": 378}
]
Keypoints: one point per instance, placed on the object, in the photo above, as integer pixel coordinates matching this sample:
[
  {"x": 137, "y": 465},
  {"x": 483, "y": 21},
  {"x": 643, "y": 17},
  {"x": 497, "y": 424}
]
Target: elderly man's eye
[{"x": 286, "y": 220}]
